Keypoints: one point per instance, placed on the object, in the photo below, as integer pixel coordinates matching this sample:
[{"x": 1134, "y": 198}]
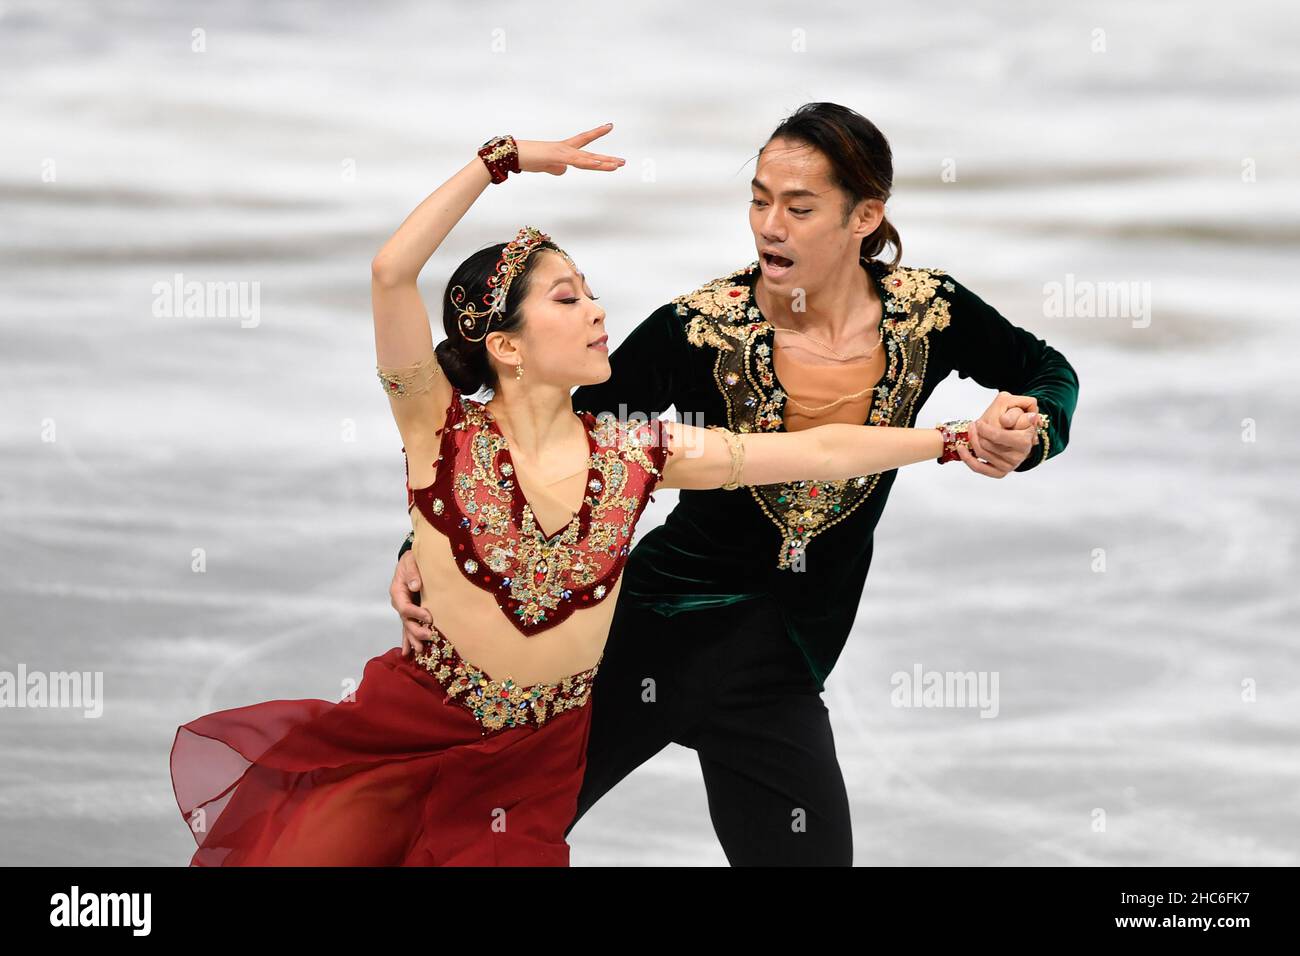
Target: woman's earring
[{"x": 519, "y": 371}]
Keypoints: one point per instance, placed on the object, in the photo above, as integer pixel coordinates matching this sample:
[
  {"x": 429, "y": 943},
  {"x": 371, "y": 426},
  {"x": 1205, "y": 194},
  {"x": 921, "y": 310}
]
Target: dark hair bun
[{"x": 457, "y": 369}]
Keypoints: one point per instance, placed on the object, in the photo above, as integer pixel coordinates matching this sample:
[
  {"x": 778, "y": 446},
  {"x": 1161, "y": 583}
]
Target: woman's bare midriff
[{"x": 469, "y": 617}]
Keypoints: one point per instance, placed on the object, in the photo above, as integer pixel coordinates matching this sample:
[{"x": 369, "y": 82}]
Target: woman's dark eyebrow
[{"x": 581, "y": 275}]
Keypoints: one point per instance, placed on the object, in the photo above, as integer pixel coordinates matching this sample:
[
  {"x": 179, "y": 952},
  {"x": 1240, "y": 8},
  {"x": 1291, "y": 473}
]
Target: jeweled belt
[{"x": 502, "y": 704}]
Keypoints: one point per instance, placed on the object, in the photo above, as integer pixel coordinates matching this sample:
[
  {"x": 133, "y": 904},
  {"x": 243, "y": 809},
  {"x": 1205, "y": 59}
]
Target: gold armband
[
  {"x": 409, "y": 379},
  {"x": 737, "y": 456}
]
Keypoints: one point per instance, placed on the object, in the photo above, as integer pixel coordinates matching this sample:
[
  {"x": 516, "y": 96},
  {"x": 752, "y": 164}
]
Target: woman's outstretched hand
[{"x": 544, "y": 156}]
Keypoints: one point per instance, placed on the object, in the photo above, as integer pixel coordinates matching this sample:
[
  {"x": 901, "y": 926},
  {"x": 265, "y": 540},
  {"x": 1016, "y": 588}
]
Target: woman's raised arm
[{"x": 418, "y": 391}]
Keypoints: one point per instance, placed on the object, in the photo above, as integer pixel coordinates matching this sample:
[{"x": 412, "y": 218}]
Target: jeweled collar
[
  {"x": 722, "y": 315},
  {"x": 765, "y": 337}
]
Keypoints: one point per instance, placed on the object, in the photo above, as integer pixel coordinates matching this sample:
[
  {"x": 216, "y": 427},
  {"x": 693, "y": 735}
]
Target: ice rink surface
[{"x": 1136, "y": 596}]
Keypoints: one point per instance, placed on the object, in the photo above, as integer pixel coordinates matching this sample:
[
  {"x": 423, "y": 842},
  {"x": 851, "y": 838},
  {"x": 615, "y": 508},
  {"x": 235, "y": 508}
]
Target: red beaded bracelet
[
  {"x": 501, "y": 156},
  {"x": 956, "y": 434}
]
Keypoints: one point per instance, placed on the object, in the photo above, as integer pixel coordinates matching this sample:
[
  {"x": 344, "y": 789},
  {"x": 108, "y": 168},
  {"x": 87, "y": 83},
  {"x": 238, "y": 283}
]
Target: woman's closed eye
[{"x": 573, "y": 299}]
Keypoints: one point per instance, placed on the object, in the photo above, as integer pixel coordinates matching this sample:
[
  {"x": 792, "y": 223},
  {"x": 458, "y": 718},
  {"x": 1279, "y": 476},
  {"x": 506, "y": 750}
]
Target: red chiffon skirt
[{"x": 401, "y": 776}]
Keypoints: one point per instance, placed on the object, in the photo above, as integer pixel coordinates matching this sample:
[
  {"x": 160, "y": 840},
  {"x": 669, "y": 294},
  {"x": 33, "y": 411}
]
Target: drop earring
[{"x": 519, "y": 371}]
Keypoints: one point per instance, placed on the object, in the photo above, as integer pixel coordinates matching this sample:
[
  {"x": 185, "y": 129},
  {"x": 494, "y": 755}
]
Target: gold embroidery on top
[
  {"x": 543, "y": 571},
  {"x": 755, "y": 402},
  {"x": 718, "y": 298},
  {"x": 910, "y": 288},
  {"x": 701, "y": 332},
  {"x": 601, "y": 534},
  {"x": 720, "y": 309},
  {"x": 629, "y": 438},
  {"x": 499, "y": 705}
]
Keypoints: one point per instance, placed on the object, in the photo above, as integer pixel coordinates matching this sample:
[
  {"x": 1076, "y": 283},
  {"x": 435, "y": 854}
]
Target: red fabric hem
[{"x": 399, "y": 776}]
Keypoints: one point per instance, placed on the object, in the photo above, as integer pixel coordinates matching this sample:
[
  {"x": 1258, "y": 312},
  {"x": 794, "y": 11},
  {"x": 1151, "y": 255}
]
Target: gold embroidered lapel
[{"x": 721, "y": 315}]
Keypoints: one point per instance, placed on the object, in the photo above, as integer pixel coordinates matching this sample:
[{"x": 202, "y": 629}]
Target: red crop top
[{"x": 538, "y": 580}]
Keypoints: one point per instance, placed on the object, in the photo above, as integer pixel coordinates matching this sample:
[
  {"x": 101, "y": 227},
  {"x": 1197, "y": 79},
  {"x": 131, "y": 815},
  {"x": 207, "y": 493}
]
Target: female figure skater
[{"x": 469, "y": 748}]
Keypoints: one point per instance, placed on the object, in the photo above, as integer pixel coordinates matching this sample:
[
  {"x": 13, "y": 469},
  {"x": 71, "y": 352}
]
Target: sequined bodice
[{"x": 496, "y": 542}]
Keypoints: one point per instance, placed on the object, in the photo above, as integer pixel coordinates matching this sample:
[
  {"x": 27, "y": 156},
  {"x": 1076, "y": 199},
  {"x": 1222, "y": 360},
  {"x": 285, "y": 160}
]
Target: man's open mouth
[{"x": 777, "y": 262}]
